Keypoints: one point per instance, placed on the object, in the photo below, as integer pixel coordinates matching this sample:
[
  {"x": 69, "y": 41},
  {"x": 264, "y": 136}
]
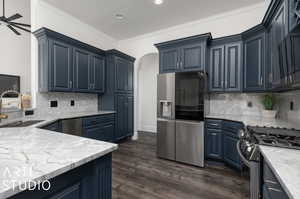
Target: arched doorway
[{"x": 148, "y": 69}]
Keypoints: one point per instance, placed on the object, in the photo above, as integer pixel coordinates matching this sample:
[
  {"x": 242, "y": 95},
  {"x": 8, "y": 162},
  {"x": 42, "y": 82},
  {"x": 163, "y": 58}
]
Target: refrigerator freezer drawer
[
  {"x": 190, "y": 142},
  {"x": 166, "y": 139}
]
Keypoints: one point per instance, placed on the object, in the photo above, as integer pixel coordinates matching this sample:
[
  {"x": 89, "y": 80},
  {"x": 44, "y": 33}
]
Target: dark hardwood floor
[{"x": 139, "y": 174}]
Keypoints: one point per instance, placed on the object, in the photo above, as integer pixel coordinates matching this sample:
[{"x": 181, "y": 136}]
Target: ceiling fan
[{"x": 8, "y": 21}]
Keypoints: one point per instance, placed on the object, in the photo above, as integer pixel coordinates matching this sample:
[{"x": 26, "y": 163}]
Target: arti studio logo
[{"x": 12, "y": 173}]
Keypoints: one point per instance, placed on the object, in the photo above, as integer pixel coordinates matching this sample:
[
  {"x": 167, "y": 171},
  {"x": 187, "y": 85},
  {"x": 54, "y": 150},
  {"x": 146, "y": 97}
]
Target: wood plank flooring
[{"x": 139, "y": 174}]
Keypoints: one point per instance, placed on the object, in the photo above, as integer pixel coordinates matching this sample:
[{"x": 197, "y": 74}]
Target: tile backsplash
[
  {"x": 236, "y": 104},
  {"x": 83, "y": 102}
]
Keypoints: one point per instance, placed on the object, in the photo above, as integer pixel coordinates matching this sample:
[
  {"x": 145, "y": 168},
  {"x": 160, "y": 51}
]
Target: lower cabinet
[
  {"x": 103, "y": 132},
  {"x": 221, "y": 142},
  {"x": 90, "y": 181},
  {"x": 271, "y": 186},
  {"x": 231, "y": 155},
  {"x": 214, "y": 144},
  {"x": 124, "y": 116},
  {"x": 99, "y": 128}
]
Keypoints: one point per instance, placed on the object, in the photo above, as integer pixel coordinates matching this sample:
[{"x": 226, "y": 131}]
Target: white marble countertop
[
  {"x": 255, "y": 121},
  {"x": 285, "y": 163},
  {"x": 32, "y": 154}
]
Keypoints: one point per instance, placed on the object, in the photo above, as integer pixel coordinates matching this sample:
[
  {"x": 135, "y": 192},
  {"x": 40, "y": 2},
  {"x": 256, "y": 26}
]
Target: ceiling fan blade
[
  {"x": 20, "y": 24},
  {"x": 14, "y": 17},
  {"x": 14, "y": 30},
  {"x": 16, "y": 26}
]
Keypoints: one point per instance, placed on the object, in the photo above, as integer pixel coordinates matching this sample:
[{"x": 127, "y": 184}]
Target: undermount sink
[{"x": 21, "y": 124}]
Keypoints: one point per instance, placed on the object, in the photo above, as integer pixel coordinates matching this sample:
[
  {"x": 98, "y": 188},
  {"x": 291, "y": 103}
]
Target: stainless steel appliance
[
  {"x": 248, "y": 149},
  {"x": 72, "y": 126},
  {"x": 180, "y": 117}
]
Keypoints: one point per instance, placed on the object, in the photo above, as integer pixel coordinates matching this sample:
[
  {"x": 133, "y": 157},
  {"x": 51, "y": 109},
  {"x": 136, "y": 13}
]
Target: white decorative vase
[{"x": 269, "y": 113}]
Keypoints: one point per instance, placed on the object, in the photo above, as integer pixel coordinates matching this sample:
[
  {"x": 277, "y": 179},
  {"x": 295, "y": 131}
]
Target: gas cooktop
[{"x": 277, "y": 137}]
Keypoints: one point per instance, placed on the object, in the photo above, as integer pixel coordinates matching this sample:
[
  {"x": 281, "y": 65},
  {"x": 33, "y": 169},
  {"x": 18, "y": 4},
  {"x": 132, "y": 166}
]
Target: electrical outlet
[
  {"x": 249, "y": 104},
  {"x": 291, "y": 106},
  {"x": 53, "y": 104},
  {"x": 72, "y": 103}
]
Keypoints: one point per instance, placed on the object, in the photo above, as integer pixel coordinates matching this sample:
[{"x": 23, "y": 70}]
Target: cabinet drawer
[
  {"x": 232, "y": 127},
  {"x": 213, "y": 124},
  {"x": 96, "y": 120}
]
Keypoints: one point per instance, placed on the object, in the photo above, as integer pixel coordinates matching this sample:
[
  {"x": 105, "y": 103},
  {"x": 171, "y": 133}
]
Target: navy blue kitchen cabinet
[
  {"x": 225, "y": 65},
  {"x": 97, "y": 74},
  {"x": 61, "y": 73},
  {"x": 188, "y": 54},
  {"x": 214, "y": 144},
  {"x": 124, "y": 116},
  {"x": 231, "y": 155},
  {"x": 100, "y": 127},
  {"x": 254, "y": 59},
  {"x": 216, "y": 75},
  {"x": 169, "y": 60},
  {"x": 81, "y": 70},
  {"x": 124, "y": 75},
  {"x": 271, "y": 186},
  {"x": 277, "y": 29},
  {"x": 68, "y": 65},
  {"x": 119, "y": 93},
  {"x": 221, "y": 139},
  {"x": 92, "y": 180}
]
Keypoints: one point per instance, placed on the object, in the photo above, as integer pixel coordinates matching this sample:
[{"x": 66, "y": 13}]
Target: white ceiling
[{"x": 143, "y": 16}]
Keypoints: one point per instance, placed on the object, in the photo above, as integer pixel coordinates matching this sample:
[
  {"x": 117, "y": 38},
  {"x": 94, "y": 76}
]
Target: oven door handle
[{"x": 246, "y": 162}]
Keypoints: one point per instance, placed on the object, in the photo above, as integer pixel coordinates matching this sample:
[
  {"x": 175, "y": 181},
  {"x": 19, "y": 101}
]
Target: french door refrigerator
[{"x": 180, "y": 117}]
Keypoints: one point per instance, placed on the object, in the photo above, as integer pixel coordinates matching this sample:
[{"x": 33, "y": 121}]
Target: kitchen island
[{"x": 73, "y": 166}]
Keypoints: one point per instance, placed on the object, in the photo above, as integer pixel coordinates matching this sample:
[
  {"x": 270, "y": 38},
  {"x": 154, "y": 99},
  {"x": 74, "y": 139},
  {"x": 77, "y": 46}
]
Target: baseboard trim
[{"x": 148, "y": 128}]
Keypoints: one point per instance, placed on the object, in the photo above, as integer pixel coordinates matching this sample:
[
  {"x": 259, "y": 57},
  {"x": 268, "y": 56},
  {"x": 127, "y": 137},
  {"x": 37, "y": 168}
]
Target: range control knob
[{"x": 242, "y": 134}]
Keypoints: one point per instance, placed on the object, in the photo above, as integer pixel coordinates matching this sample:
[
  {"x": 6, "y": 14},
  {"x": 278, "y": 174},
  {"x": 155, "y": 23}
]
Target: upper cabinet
[
  {"x": 254, "y": 59},
  {"x": 225, "y": 65},
  {"x": 60, "y": 75},
  {"x": 182, "y": 55},
  {"x": 68, "y": 65}
]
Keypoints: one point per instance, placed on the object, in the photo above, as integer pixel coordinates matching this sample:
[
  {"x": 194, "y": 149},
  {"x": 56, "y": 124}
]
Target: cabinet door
[
  {"x": 97, "y": 74},
  {"x": 130, "y": 74},
  {"x": 121, "y": 74},
  {"x": 93, "y": 133},
  {"x": 121, "y": 117},
  {"x": 233, "y": 67},
  {"x": 216, "y": 75},
  {"x": 192, "y": 57},
  {"x": 213, "y": 144},
  {"x": 81, "y": 65},
  {"x": 169, "y": 60},
  {"x": 61, "y": 66},
  {"x": 130, "y": 115},
  {"x": 277, "y": 33},
  {"x": 255, "y": 63},
  {"x": 231, "y": 155}
]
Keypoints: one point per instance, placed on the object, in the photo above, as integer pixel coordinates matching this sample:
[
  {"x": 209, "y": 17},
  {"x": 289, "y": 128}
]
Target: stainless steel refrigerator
[{"x": 180, "y": 117}]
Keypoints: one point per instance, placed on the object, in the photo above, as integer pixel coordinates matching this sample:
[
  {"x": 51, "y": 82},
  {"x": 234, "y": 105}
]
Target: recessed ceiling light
[
  {"x": 158, "y": 2},
  {"x": 119, "y": 16}
]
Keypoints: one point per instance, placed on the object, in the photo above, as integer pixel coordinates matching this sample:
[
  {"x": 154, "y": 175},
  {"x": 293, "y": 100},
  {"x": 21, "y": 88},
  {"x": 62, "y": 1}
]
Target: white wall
[
  {"x": 45, "y": 15},
  {"x": 15, "y": 50},
  {"x": 221, "y": 25},
  {"x": 147, "y": 81}
]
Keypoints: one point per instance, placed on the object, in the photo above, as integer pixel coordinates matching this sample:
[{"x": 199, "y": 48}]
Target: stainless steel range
[{"x": 248, "y": 148}]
